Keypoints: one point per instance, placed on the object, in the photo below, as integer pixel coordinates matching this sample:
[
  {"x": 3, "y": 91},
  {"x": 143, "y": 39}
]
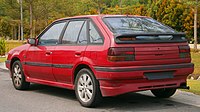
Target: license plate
[{"x": 159, "y": 75}]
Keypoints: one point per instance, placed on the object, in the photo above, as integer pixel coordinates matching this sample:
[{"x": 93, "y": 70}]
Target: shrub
[{"x": 2, "y": 47}]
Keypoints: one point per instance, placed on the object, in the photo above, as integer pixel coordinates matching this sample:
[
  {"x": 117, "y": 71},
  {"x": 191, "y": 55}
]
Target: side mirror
[{"x": 31, "y": 41}]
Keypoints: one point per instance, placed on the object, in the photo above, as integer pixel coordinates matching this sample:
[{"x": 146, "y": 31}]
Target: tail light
[
  {"x": 121, "y": 54},
  {"x": 127, "y": 38},
  {"x": 184, "y": 51}
]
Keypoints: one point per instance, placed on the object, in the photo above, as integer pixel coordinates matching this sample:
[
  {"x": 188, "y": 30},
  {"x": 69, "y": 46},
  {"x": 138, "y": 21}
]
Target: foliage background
[
  {"x": 2, "y": 47},
  {"x": 178, "y": 14}
]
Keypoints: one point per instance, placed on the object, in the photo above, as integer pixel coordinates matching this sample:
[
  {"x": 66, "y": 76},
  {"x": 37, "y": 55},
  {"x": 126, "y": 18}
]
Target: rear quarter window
[{"x": 94, "y": 35}]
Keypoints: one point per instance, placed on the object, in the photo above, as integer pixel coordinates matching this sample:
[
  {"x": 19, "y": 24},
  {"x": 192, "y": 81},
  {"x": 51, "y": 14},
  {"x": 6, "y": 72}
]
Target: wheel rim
[
  {"x": 85, "y": 88},
  {"x": 17, "y": 75}
]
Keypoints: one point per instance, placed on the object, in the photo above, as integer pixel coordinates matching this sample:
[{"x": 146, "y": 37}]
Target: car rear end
[{"x": 144, "y": 55}]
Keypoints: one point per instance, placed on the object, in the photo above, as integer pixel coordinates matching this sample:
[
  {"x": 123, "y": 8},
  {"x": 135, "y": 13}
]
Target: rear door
[
  {"x": 71, "y": 50},
  {"x": 38, "y": 63}
]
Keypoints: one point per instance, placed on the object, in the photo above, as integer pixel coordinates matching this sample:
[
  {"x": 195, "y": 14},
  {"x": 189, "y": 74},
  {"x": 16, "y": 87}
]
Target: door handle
[
  {"x": 48, "y": 52},
  {"x": 78, "y": 53}
]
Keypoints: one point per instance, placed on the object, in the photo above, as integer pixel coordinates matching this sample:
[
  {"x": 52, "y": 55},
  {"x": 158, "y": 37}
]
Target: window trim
[
  {"x": 74, "y": 19},
  {"x": 99, "y": 32},
  {"x": 85, "y": 23},
  {"x": 67, "y": 20},
  {"x": 48, "y": 27}
]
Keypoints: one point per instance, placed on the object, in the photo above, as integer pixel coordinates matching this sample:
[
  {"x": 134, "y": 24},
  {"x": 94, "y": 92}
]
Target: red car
[{"x": 104, "y": 55}]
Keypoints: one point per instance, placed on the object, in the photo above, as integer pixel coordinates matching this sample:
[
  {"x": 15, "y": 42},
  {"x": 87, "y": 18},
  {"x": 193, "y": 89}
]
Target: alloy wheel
[
  {"x": 17, "y": 75},
  {"x": 85, "y": 87}
]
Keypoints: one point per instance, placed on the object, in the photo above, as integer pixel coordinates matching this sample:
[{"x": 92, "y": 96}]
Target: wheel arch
[
  {"x": 12, "y": 61},
  {"x": 78, "y": 68}
]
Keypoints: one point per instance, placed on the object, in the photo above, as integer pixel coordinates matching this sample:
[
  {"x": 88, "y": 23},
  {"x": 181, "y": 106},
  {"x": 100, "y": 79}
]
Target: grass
[
  {"x": 194, "y": 86},
  {"x": 12, "y": 44},
  {"x": 2, "y": 59},
  {"x": 196, "y": 61}
]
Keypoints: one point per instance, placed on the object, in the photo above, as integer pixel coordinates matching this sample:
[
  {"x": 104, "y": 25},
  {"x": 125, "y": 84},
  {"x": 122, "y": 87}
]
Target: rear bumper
[{"x": 119, "y": 80}]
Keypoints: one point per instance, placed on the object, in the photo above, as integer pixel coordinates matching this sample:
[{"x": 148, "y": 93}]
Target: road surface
[{"x": 40, "y": 98}]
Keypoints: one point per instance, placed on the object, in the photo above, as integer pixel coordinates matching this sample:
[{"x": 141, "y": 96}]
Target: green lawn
[
  {"x": 196, "y": 61},
  {"x": 194, "y": 86},
  {"x": 12, "y": 44},
  {"x": 2, "y": 59}
]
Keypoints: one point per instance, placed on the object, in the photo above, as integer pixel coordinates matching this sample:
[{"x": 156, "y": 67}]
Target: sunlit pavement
[{"x": 40, "y": 98}]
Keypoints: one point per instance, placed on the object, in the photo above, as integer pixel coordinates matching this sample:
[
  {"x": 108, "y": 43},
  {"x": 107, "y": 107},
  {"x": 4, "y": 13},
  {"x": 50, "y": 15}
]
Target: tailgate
[
  {"x": 154, "y": 49},
  {"x": 156, "y": 53}
]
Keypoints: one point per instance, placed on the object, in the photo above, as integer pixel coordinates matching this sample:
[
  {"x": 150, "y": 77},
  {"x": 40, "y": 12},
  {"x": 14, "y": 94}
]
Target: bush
[{"x": 2, "y": 47}]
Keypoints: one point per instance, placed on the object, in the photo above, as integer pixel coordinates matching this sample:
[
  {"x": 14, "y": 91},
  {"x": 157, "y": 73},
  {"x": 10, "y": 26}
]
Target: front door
[
  {"x": 71, "y": 50},
  {"x": 38, "y": 62}
]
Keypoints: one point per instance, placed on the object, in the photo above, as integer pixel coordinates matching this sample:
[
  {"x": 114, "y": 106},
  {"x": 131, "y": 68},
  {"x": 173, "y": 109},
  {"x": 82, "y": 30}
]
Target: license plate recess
[{"x": 159, "y": 75}]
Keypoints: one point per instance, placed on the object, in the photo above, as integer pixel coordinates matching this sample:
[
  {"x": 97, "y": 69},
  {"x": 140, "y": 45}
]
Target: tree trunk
[
  {"x": 15, "y": 33},
  {"x": 195, "y": 27},
  {"x": 34, "y": 28},
  {"x": 19, "y": 31},
  {"x": 12, "y": 37},
  {"x": 31, "y": 20},
  {"x": 99, "y": 7},
  {"x": 120, "y": 5},
  {"x": 21, "y": 10}
]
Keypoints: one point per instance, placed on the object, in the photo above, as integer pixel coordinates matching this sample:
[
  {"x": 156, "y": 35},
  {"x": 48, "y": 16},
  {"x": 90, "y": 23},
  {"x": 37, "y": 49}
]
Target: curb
[
  {"x": 3, "y": 70},
  {"x": 3, "y": 67}
]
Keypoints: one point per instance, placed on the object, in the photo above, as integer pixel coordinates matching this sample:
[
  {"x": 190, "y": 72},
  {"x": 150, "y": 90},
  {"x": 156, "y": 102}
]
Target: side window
[
  {"x": 83, "y": 34},
  {"x": 51, "y": 36},
  {"x": 72, "y": 32},
  {"x": 95, "y": 37}
]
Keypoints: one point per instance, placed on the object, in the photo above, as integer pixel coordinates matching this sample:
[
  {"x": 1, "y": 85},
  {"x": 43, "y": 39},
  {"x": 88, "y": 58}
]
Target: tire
[
  {"x": 18, "y": 77},
  {"x": 164, "y": 93},
  {"x": 87, "y": 88}
]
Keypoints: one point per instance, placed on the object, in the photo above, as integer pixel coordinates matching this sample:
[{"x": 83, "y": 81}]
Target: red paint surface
[{"x": 111, "y": 83}]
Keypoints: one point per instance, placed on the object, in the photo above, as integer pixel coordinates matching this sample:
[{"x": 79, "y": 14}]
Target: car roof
[{"x": 98, "y": 16}]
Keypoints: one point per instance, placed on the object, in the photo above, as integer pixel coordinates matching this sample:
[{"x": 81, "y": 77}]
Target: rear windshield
[{"x": 136, "y": 25}]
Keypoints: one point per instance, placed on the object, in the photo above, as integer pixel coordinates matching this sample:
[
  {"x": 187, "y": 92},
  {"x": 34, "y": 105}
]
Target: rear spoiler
[{"x": 150, "y": 38}]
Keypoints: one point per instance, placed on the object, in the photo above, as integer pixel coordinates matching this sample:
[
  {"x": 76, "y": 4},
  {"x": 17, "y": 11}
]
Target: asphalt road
[{"x": 40, "y": 98}]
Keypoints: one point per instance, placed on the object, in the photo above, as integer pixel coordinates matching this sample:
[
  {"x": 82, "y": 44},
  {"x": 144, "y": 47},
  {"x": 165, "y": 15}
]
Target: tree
[
  {"x": 5, "y": 27},
  {"x": 39, "y": 13},
  {"x": 194, "y": 5}
]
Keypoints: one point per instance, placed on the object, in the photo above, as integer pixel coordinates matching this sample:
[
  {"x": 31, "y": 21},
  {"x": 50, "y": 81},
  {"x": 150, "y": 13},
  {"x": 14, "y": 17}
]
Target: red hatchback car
[{"x": 104, "y": 55}]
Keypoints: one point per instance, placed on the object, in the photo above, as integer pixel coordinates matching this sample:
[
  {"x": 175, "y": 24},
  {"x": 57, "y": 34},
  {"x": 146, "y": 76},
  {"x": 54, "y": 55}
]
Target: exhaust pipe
[{"x": 184, "y": 86}]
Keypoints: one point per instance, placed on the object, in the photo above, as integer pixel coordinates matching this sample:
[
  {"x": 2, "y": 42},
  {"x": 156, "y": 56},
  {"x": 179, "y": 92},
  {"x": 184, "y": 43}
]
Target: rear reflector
[
  {"x": 121, "y": 54},
  {"x": 184, "y": 51},
  {"x": 127, "y": 38}
]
